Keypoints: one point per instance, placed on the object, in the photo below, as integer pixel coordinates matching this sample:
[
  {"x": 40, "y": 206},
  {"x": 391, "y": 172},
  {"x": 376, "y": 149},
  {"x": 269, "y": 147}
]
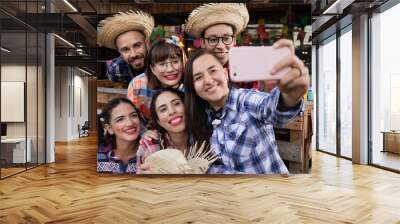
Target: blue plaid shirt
[
  {"x": 119, "y": 71},
  {"x": 244, "y": 136}
]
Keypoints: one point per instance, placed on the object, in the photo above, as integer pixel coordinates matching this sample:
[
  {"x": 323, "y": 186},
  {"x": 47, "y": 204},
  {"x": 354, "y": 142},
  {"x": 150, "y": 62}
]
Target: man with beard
[
  {"x": 217, "y": 24},
  {"x": 128, "y": 33}
]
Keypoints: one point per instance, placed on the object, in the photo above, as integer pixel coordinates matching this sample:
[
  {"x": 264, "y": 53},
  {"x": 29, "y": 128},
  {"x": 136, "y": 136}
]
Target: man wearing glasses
[{"x": 217, "y": 24}]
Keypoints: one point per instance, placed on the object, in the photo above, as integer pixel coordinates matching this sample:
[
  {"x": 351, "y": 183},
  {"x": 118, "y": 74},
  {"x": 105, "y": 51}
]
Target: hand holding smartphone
[{"x": 248, "y": 64}]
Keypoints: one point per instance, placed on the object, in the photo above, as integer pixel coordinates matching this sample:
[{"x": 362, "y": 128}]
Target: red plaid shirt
[{"x": 148, "y": 147}]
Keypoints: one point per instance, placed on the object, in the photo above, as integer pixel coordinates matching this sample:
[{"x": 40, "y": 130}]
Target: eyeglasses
[
  {"x": 214, "y": 40},
  {"x": 163, "y": 65}
]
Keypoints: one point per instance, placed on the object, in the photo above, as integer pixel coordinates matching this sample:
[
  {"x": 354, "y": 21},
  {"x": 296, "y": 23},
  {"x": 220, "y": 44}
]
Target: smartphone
[{"x": 248, "y": 64}]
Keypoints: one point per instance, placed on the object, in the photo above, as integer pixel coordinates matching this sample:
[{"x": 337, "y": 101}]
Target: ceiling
[
  {"x": 329, "y": 15},
  {"x": 77, "y": 21}
]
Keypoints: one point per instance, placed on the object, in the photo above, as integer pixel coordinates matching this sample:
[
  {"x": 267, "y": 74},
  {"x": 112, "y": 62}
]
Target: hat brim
[
  {"x": 207, "y": 15},
  {"x": 112, "y": 27}
]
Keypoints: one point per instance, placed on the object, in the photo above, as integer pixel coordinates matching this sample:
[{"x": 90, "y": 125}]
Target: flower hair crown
[{"x": 175, "y": 41}]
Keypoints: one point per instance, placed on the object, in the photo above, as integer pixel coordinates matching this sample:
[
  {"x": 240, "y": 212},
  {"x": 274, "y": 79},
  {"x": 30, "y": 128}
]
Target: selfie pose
[
  {"x": 218, "y": 24},
  {"x": 240, "y": 121},
  {"x": 122, "y": 125},
  {"x": 128, "y": 33},
  {"x": 164, "y": 69}
]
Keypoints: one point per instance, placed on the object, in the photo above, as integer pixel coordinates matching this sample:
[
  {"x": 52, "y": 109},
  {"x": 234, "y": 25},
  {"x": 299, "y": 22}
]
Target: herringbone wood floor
[{"x": 70, "y": 191}]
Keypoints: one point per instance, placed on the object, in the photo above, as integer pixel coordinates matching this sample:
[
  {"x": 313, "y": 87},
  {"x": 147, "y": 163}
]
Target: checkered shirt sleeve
[{"x": 244, "y": 137}]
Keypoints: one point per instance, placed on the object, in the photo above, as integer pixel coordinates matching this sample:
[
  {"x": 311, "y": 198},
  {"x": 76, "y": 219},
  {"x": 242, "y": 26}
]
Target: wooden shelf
[
  {"x": 391, "y": 141},
  {"x": 294, "y": 141}
]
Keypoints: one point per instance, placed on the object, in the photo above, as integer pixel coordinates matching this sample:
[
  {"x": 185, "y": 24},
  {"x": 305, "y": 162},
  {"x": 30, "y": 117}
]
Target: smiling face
[
  {"x": 170, "y": 112},
  {"x": 168, "y": 71},
  {"x": 132, "y": 47},
  {"x": 124, "y": 123},
  {"x": 210, "y": 80},
  {"x": 219, "y": 47}
]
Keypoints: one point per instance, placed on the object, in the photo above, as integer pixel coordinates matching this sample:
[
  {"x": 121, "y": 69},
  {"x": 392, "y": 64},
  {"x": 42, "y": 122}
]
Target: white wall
[
  {"x": 61, "y": 103},
  {"x": 33, "y": 126},
  {"x": 80, "y": 110},
  {"x": 71, "y": 94},
  {"x": 14, "y": 72}
]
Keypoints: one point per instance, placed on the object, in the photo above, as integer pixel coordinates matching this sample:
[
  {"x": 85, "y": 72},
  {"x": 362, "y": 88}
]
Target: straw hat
[
  {"x": 172, "y": 161},
  {"x": 111, "y": 27},
  {"x": 206, "y": 15}
]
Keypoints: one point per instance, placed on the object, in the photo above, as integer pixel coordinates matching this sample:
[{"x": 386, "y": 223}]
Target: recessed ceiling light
[
  {"x": 64, "y": 40},
  {"x": 338, "y": 6},
  {"x": 84, "y": 71},
  {"x": 5, "y": 50},
  {"x": 70, "y": 5}
]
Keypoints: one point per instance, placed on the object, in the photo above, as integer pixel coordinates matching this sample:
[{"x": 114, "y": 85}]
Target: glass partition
[
  {"x": 385, "y": 89},
  {"x": 14, "y": 68},
  {"x": 346, "y": 93},
  {"x": 22, "y": 64},
  {"x": 327, "y": 96}
]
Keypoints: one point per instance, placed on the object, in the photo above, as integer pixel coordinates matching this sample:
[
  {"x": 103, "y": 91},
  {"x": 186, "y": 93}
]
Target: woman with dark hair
[
  {"x": 168, "y": 116},
  {"x": 121, "y": 127},
  {"x": 164, "y": 68},
  {"x": 238, "y": 122}
]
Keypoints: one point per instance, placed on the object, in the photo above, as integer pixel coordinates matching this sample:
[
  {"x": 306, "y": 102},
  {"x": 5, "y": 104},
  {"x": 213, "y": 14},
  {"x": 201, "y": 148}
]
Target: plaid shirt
[
  {"x": 148, "y": 147},
  {"x": 119, "y": 71},
  {"x": 107, "y": 162},
  {"x": 244, "y": 137},
  {"x": 140, "y": 94}
]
